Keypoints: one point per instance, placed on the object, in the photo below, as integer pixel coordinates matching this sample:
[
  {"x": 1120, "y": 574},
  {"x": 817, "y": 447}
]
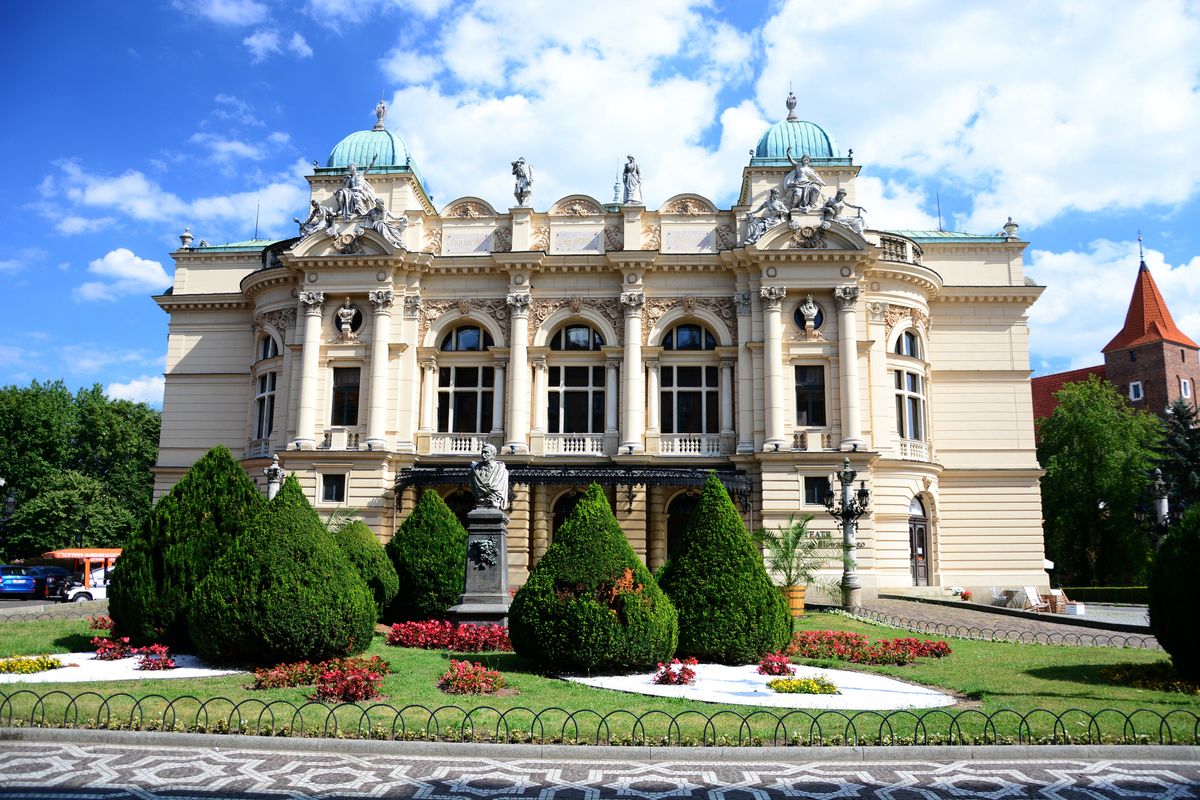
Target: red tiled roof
[
  {"x": 1148, "y": 319},
  {"x": 1044, "y": 387}
]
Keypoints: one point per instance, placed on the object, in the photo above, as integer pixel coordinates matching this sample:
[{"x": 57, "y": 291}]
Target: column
[
  {"x": 772, "y": 301},
  {"x": 539, "y": 539},
  {"x": 538, "y": 417},
  {"x": 633, "y": 396},
  {"x": 656, "y": 527},
  {"x": 429, "y": 376},
  {"x": 745, "y": 375},
  {"x": 498, "y": 399},
  {"x": 653, "y": 398},
  {"x": 518, "y": 393},
  {"x": 846, "y": 298},
  {"x": 310, "y": 360},
  {"x": 408, "y": 385},
  {"x": 727, "y": 396},
  {"x": 381, "y": 337},
  {"x": 610, "y": 397}
]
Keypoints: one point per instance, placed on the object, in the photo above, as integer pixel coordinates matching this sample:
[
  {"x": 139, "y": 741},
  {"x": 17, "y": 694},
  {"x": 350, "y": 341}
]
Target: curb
[
  {"x": 605, "y": 753},
  {"x": 1057, "y": 619}
]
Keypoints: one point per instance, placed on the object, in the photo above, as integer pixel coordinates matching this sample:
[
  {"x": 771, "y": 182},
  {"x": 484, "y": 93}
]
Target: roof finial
[
  {"x": 380, "y": 113},
  {"x": 1141, "y": 252},
  {"x": 791, "y": 106}
]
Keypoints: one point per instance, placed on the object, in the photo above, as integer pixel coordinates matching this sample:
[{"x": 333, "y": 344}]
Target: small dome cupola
[
  {"x": 804, "y": 138},
  {"x": 380, "y": 144}
]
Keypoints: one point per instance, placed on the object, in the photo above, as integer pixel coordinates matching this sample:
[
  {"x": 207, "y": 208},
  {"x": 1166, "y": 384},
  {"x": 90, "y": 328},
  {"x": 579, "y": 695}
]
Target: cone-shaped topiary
[
  {"x": 429, "y": 554},
  {"x": 1174, "y": 590},
  {"x": 367, "y": 555},
  {"x": 187, "y": 531},
  {"x": 283, "y": 591},
  {"x": 290, "y": 495},
  {"x": 590, "y": 605},
  {"x": 729, "y": 611}
]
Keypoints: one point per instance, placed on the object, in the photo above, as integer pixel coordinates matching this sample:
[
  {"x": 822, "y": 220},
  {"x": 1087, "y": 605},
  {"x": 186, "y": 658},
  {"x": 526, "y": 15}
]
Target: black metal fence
[
  {"x": 990, "y": 634},
  {"x": 64, "y": 611},
  {"x": 122, "y": 711}
]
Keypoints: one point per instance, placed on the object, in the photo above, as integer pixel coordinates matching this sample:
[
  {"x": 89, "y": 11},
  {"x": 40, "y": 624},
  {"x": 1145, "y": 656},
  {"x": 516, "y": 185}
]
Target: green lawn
[{"x": 1006, "y": 681}]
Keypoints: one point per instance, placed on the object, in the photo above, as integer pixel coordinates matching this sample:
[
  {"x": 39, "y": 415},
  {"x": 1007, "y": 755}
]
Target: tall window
[
  {"x": 345, "y": 396},
  {"x": 810, "y": 397},
  {"x": 1185, "y": 387},
  {"x": 910, "y": 405},
  {"x": 333, "y": 488},
  {"x": 264, "y": 406},
  {"x": 908, "y": 345},
  {"x": 575, "y": 397},
  {"x": 688, "y": 397},
  {"x": 267, "y": 348},
  {"x": 465, "y": 399}
]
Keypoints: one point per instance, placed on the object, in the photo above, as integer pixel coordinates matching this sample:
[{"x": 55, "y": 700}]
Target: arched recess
[
  {"x": 565, "y": 315},
  {"x": 678, "y": 512},
  {"x": 576, "y": 205},
  {"x": 680, "y": 315},
  {"x": 562, "y": 504},
  {"x": 372, "y": 244},
  {"x": 454, "y": 319},
  {"x": 460, "y": 501}
]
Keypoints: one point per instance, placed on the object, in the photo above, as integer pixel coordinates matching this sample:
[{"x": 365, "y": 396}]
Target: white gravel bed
[
  {"x": 743, "y": 686},
  {"x": 79, "y": 667}
]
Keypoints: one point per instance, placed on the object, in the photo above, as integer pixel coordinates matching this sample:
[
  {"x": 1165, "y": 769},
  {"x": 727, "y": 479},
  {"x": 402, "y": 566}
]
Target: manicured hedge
[
  {"x": 729, "y": 611},
  {"x": 1175, "y": 594},
  {"x": 590, "y": 605},
  {"x": 368, "y": 557},
  {"x": 188, "y": 530},
  {"x": 1134, "y": 595},
  {"x": 429, "y": 554}
]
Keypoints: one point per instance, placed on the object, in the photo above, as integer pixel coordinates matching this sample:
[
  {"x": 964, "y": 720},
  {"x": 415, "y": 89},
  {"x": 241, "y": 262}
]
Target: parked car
[
  {"x": 76, "y": 592},
  {"x": 15, "y": 582},
  {"x": 49, "y": 581}
]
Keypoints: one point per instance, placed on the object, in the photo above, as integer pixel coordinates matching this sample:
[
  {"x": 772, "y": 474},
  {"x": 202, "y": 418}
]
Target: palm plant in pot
[{"x": 793, "y": 554}]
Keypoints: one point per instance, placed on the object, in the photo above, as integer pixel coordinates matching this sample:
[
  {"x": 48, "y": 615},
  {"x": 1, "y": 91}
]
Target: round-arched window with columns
[
  {"x": 688, "y": 382},
  {"x": 910, "y": 376},
  {"x": 466, "y": 387},
  {"x": 576, "y": 391}
]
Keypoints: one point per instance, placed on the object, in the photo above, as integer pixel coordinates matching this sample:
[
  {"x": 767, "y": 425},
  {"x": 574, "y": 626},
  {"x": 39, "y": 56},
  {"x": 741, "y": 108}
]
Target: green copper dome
[
  {"x": 804, "y": 138},
  {"x": 387, "y": 148}
]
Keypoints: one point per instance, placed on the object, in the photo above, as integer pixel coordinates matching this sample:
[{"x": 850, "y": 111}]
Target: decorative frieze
[
  {"x": 496, "y": 309},
  {"x": 382, "y": 300},
  {"x": 540, "y": 240},
  {"x": 543, "y": 308},
  {"x": 502, "y": 240},
  {"x": 633, "y": 302},
  {"x": 726, "y": 239},
  {"x": 808, "y": 237},
  {"x": 518, "y": 303},
  {"x": 651, "y": 237},
  {"x": 280, "y": 319},
  {"x": 433, "y": 241},
  {"x": 614, "y": 238},
  {"x": 722, "y": 307},
  {"x": 894, "y": 314},
  {"x": 412, "y": 306},
  {"x": 742, "y": 301},
  {"x": 577, "y": 208},
  {"x": 468, "y": 209},
  {"x": 689, "y": 205}
]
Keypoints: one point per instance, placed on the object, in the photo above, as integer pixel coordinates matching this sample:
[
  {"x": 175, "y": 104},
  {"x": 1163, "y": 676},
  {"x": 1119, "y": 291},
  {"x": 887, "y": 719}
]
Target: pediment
[
  {"x": 688, "y": 204},
  {"x": 350, "y": 242},
  {"x": 469, "y": 208},
  {"x": 577, "y": 205},
  {"x": 810, "y": 234}
]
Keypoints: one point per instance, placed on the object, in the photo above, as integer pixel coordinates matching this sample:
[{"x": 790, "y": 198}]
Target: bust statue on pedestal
[
  {"x": 485, "y": 597},
  {"x": 489, "y": 480}
]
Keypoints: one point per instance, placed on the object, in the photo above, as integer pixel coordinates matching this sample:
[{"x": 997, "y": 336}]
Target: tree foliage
[
  {"x": 429, "y": 553},
  {"x": 1098, "y": 454},
  {"x": 729, "y": 611},
  {"x": 49, "y": 432},
  {"x": 1174, "y": 589},
  {"x": 1181, "y": 455},
  {"x": 369, "y": 558}
]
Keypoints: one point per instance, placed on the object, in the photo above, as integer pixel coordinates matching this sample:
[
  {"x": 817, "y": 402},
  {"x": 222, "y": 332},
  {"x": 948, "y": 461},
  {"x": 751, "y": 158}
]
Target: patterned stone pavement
[{"x": 58, "y": 770}]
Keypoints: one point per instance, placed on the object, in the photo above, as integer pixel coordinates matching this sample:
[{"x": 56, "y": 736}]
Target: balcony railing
[
  {"x": 900, "y": 250},
  {"x": 912, "y": 450},
  {"x": 258, "y": 448},
  {"x": 339, "y": 439},
  {"x": 577, "y": 444},
  {"x": 690, "y": 444},
  {"x": 465, "y": 443}
]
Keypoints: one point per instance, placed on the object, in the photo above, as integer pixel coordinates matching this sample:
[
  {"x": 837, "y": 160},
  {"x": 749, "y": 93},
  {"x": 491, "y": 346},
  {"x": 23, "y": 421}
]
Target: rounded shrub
[
  {"x": 188, "y": 530},
  {"x": 283, "y": 591},
  {"x": 590, "y": 605},
  {"x": 729, "y": 611},
  {"x": 368, "y": 557},
  {"x": 429, "y": 554},
  {"x": 1174, "y": 590}
]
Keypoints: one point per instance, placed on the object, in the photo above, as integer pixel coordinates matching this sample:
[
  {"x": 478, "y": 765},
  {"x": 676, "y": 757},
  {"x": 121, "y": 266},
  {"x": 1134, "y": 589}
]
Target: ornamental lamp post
[{"x": 847, "y": 510}]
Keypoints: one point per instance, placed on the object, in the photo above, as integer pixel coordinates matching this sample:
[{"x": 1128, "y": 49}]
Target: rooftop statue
[
  {"x": 832, "y": 212},
  {"x": 385, "y": 223},
  {"x": 489, "y": 480},
  {"x": 523, "y": 173},
  {"x": 773, "y": 212},
  {"x": 319, "y": 218},
  {"x": 633, "y": 183},
  {"x": 802, "y": 183},
  {"x": 356, "y": 196},
  {"x": 380, "y": 113}
]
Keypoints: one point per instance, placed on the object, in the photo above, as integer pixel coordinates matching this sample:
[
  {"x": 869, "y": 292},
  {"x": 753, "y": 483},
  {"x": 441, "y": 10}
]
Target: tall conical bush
[
  {"x": 1174, "y": 590},
  {"x": 729, "y": 611},
  {"x": 187, "y": 531},
  {"x": 429, "y": 554},
  {"x": 590, "y": 605},
  {"x": 368, "y": 557}
]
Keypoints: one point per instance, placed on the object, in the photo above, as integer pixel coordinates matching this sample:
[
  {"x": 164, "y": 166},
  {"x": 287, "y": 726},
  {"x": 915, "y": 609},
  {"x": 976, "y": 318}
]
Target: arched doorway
[
  {"x": 679, "y": 513},
  {"x": 918, "y": 542},
  {"x": 562, "y": 509},
  {"x": 461, "y": 502}
]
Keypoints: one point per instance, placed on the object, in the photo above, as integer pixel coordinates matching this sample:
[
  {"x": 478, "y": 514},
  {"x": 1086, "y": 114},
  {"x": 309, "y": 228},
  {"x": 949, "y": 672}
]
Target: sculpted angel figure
[
  {"x": 385, "y": 223},
  {"x": 523, "y": 175},
  {"x": 489, "y": 480},
  {"x": 633, "y": 182},
  {"x": 319, "y": 218},
  {"x": 832, "y": 212},
  {"x": 773, "y": 212},
  {"x": 803, "y": 183},
  {"x": 356, "y": 195}
]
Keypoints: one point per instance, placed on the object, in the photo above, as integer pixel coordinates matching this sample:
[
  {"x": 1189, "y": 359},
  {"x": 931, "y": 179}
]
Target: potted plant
[
  {"x": 966, "y": 595},
  {"x": 792, "y": 555}
]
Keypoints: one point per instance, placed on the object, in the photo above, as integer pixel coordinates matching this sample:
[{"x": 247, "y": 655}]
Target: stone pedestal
[{"x": 485, "y": 597}]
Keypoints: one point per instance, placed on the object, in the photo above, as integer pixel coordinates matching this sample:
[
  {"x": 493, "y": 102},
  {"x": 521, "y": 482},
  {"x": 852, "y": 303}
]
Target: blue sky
[{"x": 128, "y": 121}]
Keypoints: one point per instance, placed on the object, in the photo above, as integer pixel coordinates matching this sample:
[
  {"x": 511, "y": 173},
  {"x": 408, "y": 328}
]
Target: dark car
[
  {"x": 49, "y": 581},
  {"x": 15, "y": 582}
]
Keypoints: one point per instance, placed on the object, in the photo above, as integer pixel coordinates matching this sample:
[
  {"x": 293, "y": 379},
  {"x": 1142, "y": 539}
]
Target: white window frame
[
  {"x": 481, "y": 388},
  {"x": 905, "y": 398},
  {"x": 796, "y": 395},
  {"x": 1185, "y": 387},
  {"x": 1135, "y": 391},
  {"x": 701, "y": 357},
  {"x": 265, "y": 385}
]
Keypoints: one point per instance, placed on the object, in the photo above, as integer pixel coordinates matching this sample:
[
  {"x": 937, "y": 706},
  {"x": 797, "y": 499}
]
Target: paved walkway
[
  {"x": 972, "y": 622},
  {"x": 248, "y": 769}
]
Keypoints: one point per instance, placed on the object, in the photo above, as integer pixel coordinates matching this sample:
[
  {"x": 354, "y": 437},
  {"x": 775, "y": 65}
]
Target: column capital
[
  {"x": 772, "y": 297},
  {"x": 728, "y": 363},
  {"x": 412, "y": 306},
  {"x": 313, "y": 303},
  {"x": 382, "y": 300},
  {"x": 518, "y": 303},
  {"x": 633, "y": 302},
  {"x": 538, "y": 364},
  {"x": 429, "y": 363},
  {"x": 742, "y": 301},
  {"x": 845, "y": 297}
]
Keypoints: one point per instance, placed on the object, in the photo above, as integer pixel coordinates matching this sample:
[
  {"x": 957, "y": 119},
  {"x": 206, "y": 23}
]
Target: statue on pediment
[
  {"x": 773, "y": 211},
  {"x": 319, "y": 218},
  {"x": 386, "y": 224},
  {"x": 803, "y": 184},
  {"x": 832, "y": 212},
  {"x": 356, "y": 196},
  {"x": 633, "y": 182}
]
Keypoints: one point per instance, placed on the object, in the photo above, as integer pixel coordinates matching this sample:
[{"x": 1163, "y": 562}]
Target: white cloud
[
  {"x": 73, "y": 224},
  {"x": 299, "y": 47},
  {"x": 146, "y": 389},
  {"x": 22, "y": 259},
  {"x": 408, "y": 66},
  {"x": 1100, "y": 279},
  {"x": 225, "y": 151},
  {"x": 126, "y": 273},
  {"x": 12, "y": 265},
  {"x": 226, "y": 12},
  {"x": 233, "y": 108},
  {"x": 338, "y": 14},
  {"x": 262, "y": 44}
]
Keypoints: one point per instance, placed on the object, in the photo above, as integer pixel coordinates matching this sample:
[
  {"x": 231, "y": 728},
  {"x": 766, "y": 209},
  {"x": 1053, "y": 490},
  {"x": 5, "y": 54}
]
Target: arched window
[
  {"x": 465, "y": 391},
  {"x": 908, "y": 345},
  {"x": 267, "y": 347},
  {"x": 679, "y": 513},
  {"x": 576, "y": 387},
  {"x": 689, "y": 337},
  {"x": 689, "y": 394},
  {"x": 461, "y": 502},
  {"x": 577, "y": 337},
  {"x": 467, "y": 338},
  {"x": 910, "y": 405},
  {"x": 264, "y": 404},
  {"x": 563, "y": 507}
]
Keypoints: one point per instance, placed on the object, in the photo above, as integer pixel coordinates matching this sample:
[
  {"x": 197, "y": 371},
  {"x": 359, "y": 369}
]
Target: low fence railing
[{"x": 522, "y": 724}]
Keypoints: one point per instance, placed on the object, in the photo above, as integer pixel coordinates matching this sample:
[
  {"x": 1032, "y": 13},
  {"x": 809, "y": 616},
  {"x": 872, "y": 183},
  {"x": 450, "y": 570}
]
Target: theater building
[{"x": 380, "y": 349}]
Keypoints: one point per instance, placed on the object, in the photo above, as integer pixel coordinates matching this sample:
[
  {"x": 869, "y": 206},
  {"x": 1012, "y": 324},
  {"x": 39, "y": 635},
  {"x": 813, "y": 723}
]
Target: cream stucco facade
[{"x": 633, "y": 345}]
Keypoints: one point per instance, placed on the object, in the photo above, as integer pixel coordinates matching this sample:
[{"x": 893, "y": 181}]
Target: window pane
[
  {"x": 578, "y": 337},
  {"x": 914, "y": 418},
  {"x": 709, "y": 342},
  {"x": 575, "y": 412},
  {"x": 817, "y": 404},
  {"x": 688, "y": 376},
  {"x": 466, "y": 412},
  {"x": 576, "y": 376},
  {"x": 444, "y": 375},
  {"x": 597, "y": 376},
  {"x": 552, "y": 412},
  {"x": 710, "y": 377},
  {"x": 555, "y": 376},
  {"x": 900, "y": 426},
  {"x": 443, "y": 411},
  {"x": 271, "y": 381},
  {"x": 448, "y": 342},
  {"x": 468, "y": 339},
  {"x": 899, "y": 380},
  {"x": 597, "y": 340},
  {"x": 689, "y": 412},
  {"x": 466, "y": 376},
  {"x": 485, "y": 411},
  {"x": 489, "y": 377},
  {"x": 665, "y": 401},
  {"x": 711, "y": 420},
  {"x": 597, "y": 411},
  {"x": 668, "y": 342},
  {"x": 814, "y": 491},
  {"x": 270, "y": 415},
  {"x": 262, "y": 384},
  {"x": 345, "y": 376},
  {"x": 333, "y": 488},
  {"x": 667, "y": 376},
  {"x": 687, "y": 337},
  {"x": 914, "y": 382}
]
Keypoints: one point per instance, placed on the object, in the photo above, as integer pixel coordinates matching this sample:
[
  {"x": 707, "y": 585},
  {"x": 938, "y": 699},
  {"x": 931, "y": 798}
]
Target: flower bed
[
  {"x": 303, "y": 673},
  {"x": 100, "y": 623},
  {"x": 442, "y": 635},
  {"x": 463, "y": 677},
  {"x": 347, "y": 685},
  {"x": 155, "y": 657},
  {"x": 27, "y": 665},
  {"x": 110, "y": 649},
  {"x": 776, "y": 664},
  {"x": 816, "y": 685},
  {"x": 676, "y": 673},
  {"x": 855, "y": 648}
]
